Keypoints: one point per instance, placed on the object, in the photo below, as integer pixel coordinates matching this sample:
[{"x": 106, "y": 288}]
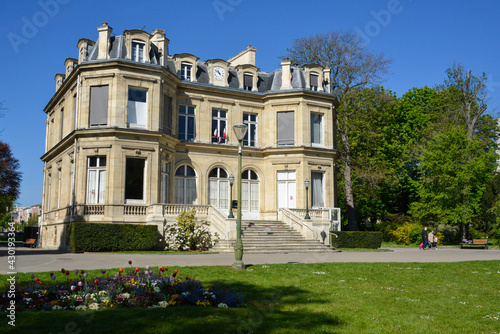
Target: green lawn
[{"x": 310, "y": 298}]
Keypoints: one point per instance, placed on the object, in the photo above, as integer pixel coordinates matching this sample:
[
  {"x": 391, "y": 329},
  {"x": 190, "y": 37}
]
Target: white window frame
[
  {"x": 96, "y": 188},
  {"x": 252, "y": 125},
  {"x": 219, "y": 139},
  {"x": 165, "y": 182},
  {"x": 137, "y": 111},
  {"x": 184, "y": 111},
  {"x": 314, "y": 141},
  {"x": 218, "y": 189},
  {"x": 186, "y": 71},
  {"x": 135, "y": 52},
  {"x": 181, "y": 183}
]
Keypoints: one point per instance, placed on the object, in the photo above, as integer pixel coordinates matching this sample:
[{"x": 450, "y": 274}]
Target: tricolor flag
[
  {"x": 215, "y": 133},
  {"x": 225, "y": 134}
]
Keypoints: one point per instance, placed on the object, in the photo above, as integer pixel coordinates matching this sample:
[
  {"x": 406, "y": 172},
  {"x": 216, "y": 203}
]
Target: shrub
[
  {"x": 185, "y": 234},
  {"x": 347, "y": 239},
  {"x": 408, "y": 234},
  {"x": 100, "y": 237},
  {"x": 450, "y": 233}
]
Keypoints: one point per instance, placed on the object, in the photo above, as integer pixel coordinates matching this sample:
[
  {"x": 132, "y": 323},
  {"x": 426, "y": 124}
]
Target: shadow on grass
[{"x": 268, "y": 310}]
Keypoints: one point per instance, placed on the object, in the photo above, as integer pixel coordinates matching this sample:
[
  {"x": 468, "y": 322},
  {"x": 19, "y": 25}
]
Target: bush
[
  {"x": 347, "y": 239},
  {"x": 408, "y": 234},
  {"x": 450, "y": 233},
  {"x": 186, "y": 235},
  {"x": 99, "y": 237}
]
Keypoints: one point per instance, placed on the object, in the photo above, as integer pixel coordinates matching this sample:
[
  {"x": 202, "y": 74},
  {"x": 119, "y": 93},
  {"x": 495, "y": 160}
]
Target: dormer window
[
  {"x": 247, "y": 81},
  {"x": 313, "y": 81},
  {"x": 138, "y": 51},
  {"x": 186, "y": 69}
]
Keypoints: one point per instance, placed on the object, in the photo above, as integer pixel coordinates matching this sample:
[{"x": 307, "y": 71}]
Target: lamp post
[
  {"x": 307, "y": 183},
  {"x": 231, "y": 182},
  {"x": 239, "y": 130}
]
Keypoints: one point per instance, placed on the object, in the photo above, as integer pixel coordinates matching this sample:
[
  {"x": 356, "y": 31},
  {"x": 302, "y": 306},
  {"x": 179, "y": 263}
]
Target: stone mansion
[{"x": 136, "y": 135}]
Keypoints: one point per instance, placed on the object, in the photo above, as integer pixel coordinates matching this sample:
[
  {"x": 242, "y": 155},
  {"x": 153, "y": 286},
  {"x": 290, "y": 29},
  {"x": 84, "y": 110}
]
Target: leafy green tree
[
  {"x": 10, "y": 178},
  {"x": 352, "y": 66},
  {"x": 455, "y": 172}
]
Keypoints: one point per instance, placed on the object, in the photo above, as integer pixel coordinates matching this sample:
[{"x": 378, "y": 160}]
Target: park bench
[
  {"x": 30, "y": 243},
  {"x": 476, "y": 242}
]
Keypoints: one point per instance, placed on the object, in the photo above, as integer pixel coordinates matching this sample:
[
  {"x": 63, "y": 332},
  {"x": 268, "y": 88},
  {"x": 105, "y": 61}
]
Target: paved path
[{"x": 34, "y": 260}]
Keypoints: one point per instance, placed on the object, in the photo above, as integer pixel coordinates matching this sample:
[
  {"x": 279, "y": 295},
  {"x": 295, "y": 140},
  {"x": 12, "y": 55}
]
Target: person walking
[
  {"x": 431, "y": 239},
  {"x": 424, "y": 238}
]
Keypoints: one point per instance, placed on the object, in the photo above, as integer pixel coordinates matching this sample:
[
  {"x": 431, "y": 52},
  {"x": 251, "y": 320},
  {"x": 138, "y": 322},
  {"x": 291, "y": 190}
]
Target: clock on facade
[{"x": 219, "y": 72}]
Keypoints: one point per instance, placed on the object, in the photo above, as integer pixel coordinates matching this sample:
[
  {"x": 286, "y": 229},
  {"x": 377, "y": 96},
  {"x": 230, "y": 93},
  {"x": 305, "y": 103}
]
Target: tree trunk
[{"x": 346, "y": 165}]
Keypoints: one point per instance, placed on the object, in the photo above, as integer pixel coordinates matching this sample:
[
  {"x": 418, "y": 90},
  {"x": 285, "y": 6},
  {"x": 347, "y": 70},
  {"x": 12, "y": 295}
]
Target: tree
[
  {"x": 455, "y": 172},
  {"x": 352, "y": 65},
  {"x": 10, "y": 178}
]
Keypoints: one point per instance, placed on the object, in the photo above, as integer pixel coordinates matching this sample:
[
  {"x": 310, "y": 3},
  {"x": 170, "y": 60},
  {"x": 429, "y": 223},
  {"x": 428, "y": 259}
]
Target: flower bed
[{"x": 125, "y": 289}]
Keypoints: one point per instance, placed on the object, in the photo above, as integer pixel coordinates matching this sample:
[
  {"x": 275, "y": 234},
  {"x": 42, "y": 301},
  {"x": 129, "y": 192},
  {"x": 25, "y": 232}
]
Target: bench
[
  {"x": 475, "y": 242},
  {"x": 30, "y": 243}
]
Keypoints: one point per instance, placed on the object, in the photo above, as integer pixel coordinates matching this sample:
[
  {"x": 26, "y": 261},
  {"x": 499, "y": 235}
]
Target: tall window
[
  {"x": 134, "y": 179},
  {"x": 219, "y": 131},
  {"x": 218, "y": 188},
  {"x": 185, "y": 185},
  {"x": 98, "y": 105},
  {"x": 138, "y": 51},
  {"x": 251, "y": 136},
  {"x": 247, "y": 81},
  {"x": 59, "y": 179},
  {"x": 249, "y": 191},
  {"x": 165, "y": 170},
  {"x": 186, "y": 123},
  {"x": 62, "y": 124},
  {"x": 137, "y": 107},
  {"x": 313, "y": 81},
  {"x": 186, "y": 69},
  {"x": 96, "y": 179},
  {"x": 286, "y": 128},
  {"x": 317, "y": 190},
  {"x": 167, "y": 115},
  {"x": 316, "y": 129}
]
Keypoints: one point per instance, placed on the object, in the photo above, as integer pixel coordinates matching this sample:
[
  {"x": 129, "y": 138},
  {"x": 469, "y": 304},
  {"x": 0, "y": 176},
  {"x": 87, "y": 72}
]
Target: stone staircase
[{"x": 261, "y": 237}]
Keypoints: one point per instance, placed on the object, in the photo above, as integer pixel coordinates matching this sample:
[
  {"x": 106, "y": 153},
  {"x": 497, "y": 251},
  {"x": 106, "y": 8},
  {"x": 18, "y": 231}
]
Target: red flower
[
  {"x": 136, "y": 269},
  {"x": 166, "y": 268},
  {"x": 175, "y": 273},
  {"x": 67, "y": 272},
  {"x": 120, "y": 270},
  {"x": 130, "y": 262},
  {"x": 96, "y": 282},
  {"x": 83, "y": 271},
  {"x": 63, "y": 270},
  {"x": 37, "y": 279},
  {"x": 160, "y": 268}
]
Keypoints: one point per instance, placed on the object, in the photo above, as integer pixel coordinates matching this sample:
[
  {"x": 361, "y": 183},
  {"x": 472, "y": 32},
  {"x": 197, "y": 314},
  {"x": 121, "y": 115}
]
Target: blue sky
[{"x": 423, "y": 38}]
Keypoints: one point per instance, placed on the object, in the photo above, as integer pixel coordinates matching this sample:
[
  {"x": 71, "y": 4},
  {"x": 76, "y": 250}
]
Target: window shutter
[
  {"x": 286, "y": 128},
  {"x": 248, "y": 80},
  {"x": 314, "y": 80},
  {"x": 98, "y": 105}
]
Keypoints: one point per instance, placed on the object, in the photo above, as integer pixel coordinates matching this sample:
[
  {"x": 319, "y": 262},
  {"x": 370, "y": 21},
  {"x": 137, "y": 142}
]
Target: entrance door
[
  {"x": 218, "y": 189},
  {"x": 250, "y": 195},
  {"x": 286, "y": 189}
]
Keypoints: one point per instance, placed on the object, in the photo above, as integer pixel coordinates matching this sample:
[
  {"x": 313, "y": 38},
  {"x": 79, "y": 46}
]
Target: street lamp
[
  {"x": 239, "y": 130},
  {"x": 231, "y": 182},
  {"x": 307, "y": 183}
]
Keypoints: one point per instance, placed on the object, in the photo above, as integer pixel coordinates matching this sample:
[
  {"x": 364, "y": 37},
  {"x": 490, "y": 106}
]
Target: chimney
[
  {"x": 59, "y": 78},
  {"x": 161, "y": 43},
  {"x": 70, "y": 64},
  {"x": 286, "y": 74},
  {"x": 104, "y": 35},
  {"x": 83, "y": 49},
  {"x": 326, "y": 78}
]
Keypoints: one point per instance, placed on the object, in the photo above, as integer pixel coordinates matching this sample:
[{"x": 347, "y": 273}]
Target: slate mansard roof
[{"x": 266, "y": 82}]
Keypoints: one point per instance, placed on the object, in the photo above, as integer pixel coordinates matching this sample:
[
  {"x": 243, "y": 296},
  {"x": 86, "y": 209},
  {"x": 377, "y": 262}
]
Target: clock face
[{"x": 219, "y": 73}]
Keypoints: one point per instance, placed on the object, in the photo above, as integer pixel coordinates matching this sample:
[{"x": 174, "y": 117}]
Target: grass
[{"x": 309, "y": 298}]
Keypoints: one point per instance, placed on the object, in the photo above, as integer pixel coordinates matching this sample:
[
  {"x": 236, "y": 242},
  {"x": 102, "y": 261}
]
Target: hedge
[
  {"x": 348, "y": 239},
  {"x": 100, "y": 237}
]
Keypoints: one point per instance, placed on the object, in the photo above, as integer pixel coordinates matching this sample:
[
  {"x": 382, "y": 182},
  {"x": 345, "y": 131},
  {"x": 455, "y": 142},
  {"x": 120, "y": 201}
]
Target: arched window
[
  {"x": 218, "y": 188},
  {"x": 185, "y": 185},
  {"x": 250, "y": 192}
]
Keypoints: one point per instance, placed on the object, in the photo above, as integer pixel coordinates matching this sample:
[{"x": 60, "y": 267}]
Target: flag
[
  {"x": 225, "y": 134},
  {"x": 215, "y": 133}
]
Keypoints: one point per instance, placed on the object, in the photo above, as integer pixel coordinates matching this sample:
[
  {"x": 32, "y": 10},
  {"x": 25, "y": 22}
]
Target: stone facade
[{"x": 134, "y": 135}]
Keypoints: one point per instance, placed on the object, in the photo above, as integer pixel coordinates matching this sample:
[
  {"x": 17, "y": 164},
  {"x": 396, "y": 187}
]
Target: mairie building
[{"x": 136, "y": 135}]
